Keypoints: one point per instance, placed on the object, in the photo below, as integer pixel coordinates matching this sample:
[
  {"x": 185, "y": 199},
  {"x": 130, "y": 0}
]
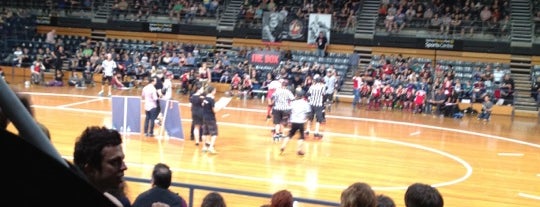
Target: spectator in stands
[
  {"x": 399, "y": 21},
  {"x": 98, "y": 153},
  {"x": 37, "y": 72},
  {"x": 191, "y": 13},
  {"x": 60, "y": 56},
  {"x": 451, "y": 106},
  {"x": 15, "y": 57},
  {"x": 143, "y": 10},
  {"x": 58, "y": 79},
  {"x": 435, "y": 24},
  {"x": 213, "y": 199},
  {"x": 160, "y": 192},
  {"x": 358, "y": 194},
  {"x": 455, "y": 25},
  {"x": 51, "y": 39},
  {"x": 213, "y": 7},
  {"x": 385, "y": 201},
  {"x": 422, "y": 195},
  {"x": 485, "y": 16},
  {"x": 504, "y": 27},
  {"x": 176, "y": 8},
  {"x": 493, "y": 27},
  {"x": 535, "y": 93},
  {"x": 390, "y": 17},
  {"x": 468, "y": 25},
  {"x": 428, "y": 15},
  {"x": 445, "y": 26},
  {"x": 383, "y": 10},
  {"x": 121, "y": 8},
  {"x": 507, "y": 84},
  {"x": 438, "y": 101},
  {"x": 487, "y": 106}
]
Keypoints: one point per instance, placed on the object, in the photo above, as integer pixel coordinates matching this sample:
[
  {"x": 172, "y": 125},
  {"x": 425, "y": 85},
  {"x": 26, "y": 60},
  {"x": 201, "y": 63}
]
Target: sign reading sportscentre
[
  {"x": 439, "y": 44},
  {"x": 160, "y": 27}
]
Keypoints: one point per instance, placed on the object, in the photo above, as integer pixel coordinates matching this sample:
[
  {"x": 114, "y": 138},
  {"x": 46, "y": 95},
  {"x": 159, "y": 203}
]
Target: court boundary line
[{"x": 79, "y": 103}]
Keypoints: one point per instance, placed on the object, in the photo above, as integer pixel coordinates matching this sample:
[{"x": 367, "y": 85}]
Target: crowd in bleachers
[
  {"x": 17, "y": 24},
  {"x": 180, "y": 11},
  {"x": 413, "y": 84},
  {"x": 137, "y": 59},
  {"x": 343, "y": 12},
  {"x": 459, "y": 18}
]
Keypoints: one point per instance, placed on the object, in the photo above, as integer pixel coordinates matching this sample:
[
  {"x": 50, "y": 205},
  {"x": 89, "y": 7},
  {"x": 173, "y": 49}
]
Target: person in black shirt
[
  {"x": 196, "y": 115},
  {"x": 322, "y": 43},
  {"x": 160, "y": 192},
  {"x": 159, "y": 88},
  {"x": 61, "y": 55},
  {"x": 210, "y": 128}
]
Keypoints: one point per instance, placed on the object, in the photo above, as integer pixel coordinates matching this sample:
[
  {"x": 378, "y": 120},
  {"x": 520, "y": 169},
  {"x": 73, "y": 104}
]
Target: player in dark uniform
[{"x": 196, "y": 115}]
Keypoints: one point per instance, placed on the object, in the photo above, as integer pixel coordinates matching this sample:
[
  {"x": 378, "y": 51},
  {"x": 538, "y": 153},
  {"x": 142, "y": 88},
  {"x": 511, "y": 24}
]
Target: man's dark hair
[
  {"x": 91, "y": 142},
  {"x": 385, "y": 201},
  {"x": 162, "y": 175},
  {"x": 422, "y": 195}
]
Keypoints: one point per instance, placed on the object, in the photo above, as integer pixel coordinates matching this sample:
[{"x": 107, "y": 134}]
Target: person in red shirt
[
  {"x": 37, "y": 72},
  {"x": 236, "y": 82},
  {"x": 419, "y": 100},
  {"x": 388, "y": 96},
  {"x": 247, "y": 86},
  {"x": 184, "y": 78},
  {"x": 399, "y": 97},
  {"x": 375, "y": 97}
]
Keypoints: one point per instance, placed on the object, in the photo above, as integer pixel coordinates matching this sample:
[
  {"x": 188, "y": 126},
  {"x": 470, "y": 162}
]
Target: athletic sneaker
[
  {"x": 276, "y": 137},
  {"x": 204, "y": 149},
  {"x": 268, "y": 117},
  {"x": 306, "y": 133},
  {"x": 100, "y": 93},
  {"x": 300, "y": 152},
  {"x": 212, "y": 151},
  {"x": 157, "y": 122}
]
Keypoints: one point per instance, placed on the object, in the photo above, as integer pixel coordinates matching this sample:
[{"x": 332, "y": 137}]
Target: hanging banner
[
  {"x": 272, "y": 26},
  {"x": 319, "y": 23}
]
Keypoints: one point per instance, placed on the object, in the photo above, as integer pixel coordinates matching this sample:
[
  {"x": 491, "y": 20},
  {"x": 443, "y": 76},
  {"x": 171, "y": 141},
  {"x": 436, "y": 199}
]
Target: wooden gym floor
[{"x": 472, "y": 163}]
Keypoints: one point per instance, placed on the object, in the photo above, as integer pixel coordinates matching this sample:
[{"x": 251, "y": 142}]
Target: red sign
[{"x": 265, "y": 59}]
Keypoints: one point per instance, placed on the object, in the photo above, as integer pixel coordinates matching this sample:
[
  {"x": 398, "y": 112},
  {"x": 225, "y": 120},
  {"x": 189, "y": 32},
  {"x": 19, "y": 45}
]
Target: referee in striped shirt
[
  {"x": 316, "y": 95},
  {"x": 281, "y": 99}
]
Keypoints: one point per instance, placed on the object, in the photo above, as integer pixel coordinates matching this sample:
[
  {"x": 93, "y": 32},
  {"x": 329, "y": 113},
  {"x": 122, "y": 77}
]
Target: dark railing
[{"x": 192, "y": 189}]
